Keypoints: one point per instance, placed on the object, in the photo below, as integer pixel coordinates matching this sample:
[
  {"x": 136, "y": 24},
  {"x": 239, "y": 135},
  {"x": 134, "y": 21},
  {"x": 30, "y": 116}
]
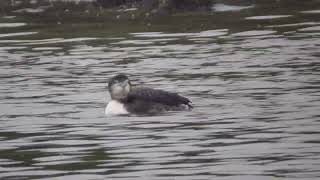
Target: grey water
[{"x": 253, "y": 77}]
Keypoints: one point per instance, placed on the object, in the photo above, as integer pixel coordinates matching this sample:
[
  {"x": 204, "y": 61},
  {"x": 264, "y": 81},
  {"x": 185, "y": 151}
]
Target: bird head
[{"x": 119, "y": 87}]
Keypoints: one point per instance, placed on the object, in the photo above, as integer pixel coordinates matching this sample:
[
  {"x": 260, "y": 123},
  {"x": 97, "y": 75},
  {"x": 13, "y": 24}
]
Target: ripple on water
[
  {"x": 9, "y": 25},
  {"x": 307, "y": 29},
  {"x": 211, "y": 33},
  {"x": 17, "y": 34},
  {"x": 8, "y": 17},
  {"x": 295, "y": 24},
  {"x": 56, "y": 41},
  {"x": 31, "y": 173},
  {"x": 46, "y": 48},
  {"x": 223, "y": 7},
  {"x": 267, "y": 17},
  {"x": 254, "y": 33},
  {"x": 161, "y": 34},
  {"x": 207, "y": 33},
  {"x": 11, "y": 48},
  {"x": 311, "y": 12}
]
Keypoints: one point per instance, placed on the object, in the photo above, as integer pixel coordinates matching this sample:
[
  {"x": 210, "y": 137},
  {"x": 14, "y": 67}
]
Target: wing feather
[{"x": 159, "y": 96}]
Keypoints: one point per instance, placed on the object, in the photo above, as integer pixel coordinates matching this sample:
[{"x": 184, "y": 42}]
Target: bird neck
[{"x": 123, "y": 100}]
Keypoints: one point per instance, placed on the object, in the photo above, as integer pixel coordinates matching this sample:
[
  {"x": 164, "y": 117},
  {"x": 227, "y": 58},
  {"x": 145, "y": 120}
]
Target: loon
[{"x": 141, "y": 100}]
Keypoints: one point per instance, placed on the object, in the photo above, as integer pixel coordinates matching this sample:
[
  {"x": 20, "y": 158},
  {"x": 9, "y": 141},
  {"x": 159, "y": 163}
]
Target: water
[{"x": 253, "y": 78}]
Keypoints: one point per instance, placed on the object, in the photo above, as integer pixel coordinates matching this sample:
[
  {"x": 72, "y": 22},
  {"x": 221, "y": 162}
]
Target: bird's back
[{"x": 148, "y": 100}]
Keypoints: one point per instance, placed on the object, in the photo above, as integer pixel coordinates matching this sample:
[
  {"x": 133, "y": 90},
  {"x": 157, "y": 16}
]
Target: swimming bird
[{"x": 127, "y": 99}]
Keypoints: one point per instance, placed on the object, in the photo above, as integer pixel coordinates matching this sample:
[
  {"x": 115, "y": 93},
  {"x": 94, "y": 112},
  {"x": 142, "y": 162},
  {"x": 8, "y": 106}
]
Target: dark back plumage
[{"x": 158, "y": 96}]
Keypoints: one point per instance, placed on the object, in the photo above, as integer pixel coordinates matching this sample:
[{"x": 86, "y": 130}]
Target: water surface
[{"x": 253, "y": 78}]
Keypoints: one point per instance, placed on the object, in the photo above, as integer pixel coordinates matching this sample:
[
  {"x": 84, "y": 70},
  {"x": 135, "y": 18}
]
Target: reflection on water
[
  {"x": 223, "y": 7},
  {"x": 267, "y": 17},
  {"x": 256, "y": 95}
]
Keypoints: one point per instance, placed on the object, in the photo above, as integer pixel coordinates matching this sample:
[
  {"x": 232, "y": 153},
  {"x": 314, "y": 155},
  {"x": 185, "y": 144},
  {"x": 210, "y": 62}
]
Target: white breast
[{"x": 115, "y": 108}]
